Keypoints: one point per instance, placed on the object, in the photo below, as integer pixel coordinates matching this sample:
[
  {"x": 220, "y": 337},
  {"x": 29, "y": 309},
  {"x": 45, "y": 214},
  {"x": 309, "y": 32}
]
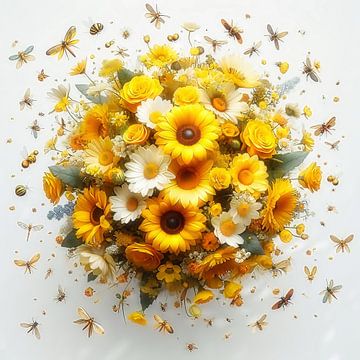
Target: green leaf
[
  {"x": 68, "y": 175},
  {"x": 91, "y": 277},
  {"x": 279, "y": 165},
  {"x": 252, "y": 243},
  {"x": 71, "y": 241},
  {"x": 125, "y": 75},
  {"x": 145, "y": 299},
  {"x": 83, "y": 88}
]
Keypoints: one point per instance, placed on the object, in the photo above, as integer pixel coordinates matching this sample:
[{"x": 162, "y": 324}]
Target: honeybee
[
  {"x": 23, "y": 57},
  {"x": 89, "y": 323},
  {"x": 280, "y": 267},
  {"x": 42, "y": 76},
  {"x": 64, "y": 46},
  {"x": 109, "y": 43},
  {"x": 29, "y": 158},
  {"x": 260, "y": 324},
  {"x": 253, "y": 49},
  {"x": 35, "y": 128},
  {"x": 173, "y": 37},
  {"x": 32, "y": 328},
  {"x": 216, "y": 44},
  {"x": 27, "y": 100},
  {"x": 62, "y": 127},
  {"x": 324, "y": 128},
  {"x": 162, "y": 325},
  {"x": 275, "y": 36},
  {"x": 61, "y": 295},
  {"x": 155, "y": 15},
  {"x": 310, "y": 274},
  {"x": 284, "y": 300},
  {"x": 191, "y": 347},
  {"x": 310, "y": 71},
  {"x": 96, "y": 28},
  {"x": 232, "y": 30},
  {"x": 48, "y": 273},
  {"x": 342, "y": 245},
  {"x": 334, "y": 145},
  {"x": 21, "y": 190},
  {"x": 163, "y": 306},
  {"x": 28, "y": 264},
  {"x": 330, "y": 291},
  {"x": 29, "y": 228}
]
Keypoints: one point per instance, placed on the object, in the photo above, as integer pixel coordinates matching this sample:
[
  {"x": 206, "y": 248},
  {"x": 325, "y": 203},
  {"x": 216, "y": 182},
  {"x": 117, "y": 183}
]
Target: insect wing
[
  {"x": 335, "y": 239},
  {"x": 34, "y": 259},
  {"x": 26, "y": 325},
  {"x": 83, "y": 314},
  {"x": 23, "y": 225},
  {"x": 289, "y": 295},
  {"x": 14, "y": 57},
  {"x": 326, "y": 297},
  {"x": 306, "y": 270},
  {"x": 20, "y": 262},
  {"x": 55, "y": 49},
  {"x": 98, "y": 328},
  {"x": 169, "y": 328},
  {"x": 331, "y": 123},
  {"x": 276, "y": 42},
  {"x": 70, "y": 34},
  {"x": 226, "y": 24},
  {"x": 37, "y": 227},
  {"x": 313, "y": 76},
  {"x": 29, "y": 49},
  {"x": 278, "y": 305},
  {"x": 282, "y": 34},
  {"x": 150, "y": 9},
  {"x": 238, "y": 37},
  {"x": 336, "y": 288},
  {"x": 270, "y": 29},
  {"x": 208, "y": 39}
]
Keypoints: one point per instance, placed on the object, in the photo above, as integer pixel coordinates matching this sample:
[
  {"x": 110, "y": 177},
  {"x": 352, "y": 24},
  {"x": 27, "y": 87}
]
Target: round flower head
[
  {"x": 244, "y": 208},
  {"x": 150, "y": 110},
  {"x": 310, "y": 178}
]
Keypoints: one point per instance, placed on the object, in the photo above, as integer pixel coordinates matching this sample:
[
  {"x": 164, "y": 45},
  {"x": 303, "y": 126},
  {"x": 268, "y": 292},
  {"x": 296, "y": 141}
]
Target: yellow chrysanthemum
[
  {"x": 110, "y": 67},
  {"x": 188, "y": 132},
  {"x": 92, "y": 216},
  {"x": 169, "y": 272},
  {"x": 53, "y": 187},
  {"x": 171, "y": 228},
  {"x": 186, "y": 95},
  {"x": 280, "y": 206},
  {"x": 219, "y": 178},
  {"x": 159, "y": 55},
  {"x": 95, "y": 123},
  {"x": 191, "y": 184},
  {"x": 79, "y": 68},
  {"x": 248, "y": 173}
]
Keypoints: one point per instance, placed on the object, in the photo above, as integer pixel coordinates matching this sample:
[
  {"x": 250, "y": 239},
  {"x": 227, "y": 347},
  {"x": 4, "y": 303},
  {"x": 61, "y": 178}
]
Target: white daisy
[
  {"x": 244, "y": 208},
  {"x": 126, "y": 205},
  {"x": 225, "y": 103},
  {"x": 226, "y": 230},
  {"x": 151, "y": 109},
  {"x": 148, "y": 170}
]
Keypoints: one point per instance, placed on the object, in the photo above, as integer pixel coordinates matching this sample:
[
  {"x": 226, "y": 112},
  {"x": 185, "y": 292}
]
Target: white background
[{"x": 307, "y": 329}]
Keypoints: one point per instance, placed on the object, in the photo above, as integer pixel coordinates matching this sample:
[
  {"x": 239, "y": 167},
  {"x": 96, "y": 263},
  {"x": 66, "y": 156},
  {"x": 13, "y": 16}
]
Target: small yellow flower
[
  {"x": 195, "y": 311},
  {"x": 263, "y": 105},
  {"x": 79, "y": 69},
  {"x": 231, "y": 289},
  {"x": 138, "y": 317},
  {"x": 62, "y": 105},
  {"x": 285, "y": 236},
  {"x": 53, "y": 187},
  {"x": 282, "y": 132},
  {"x": 307, "y": 141},
  {"x": 310, "y": 178},
  {"x": 50, "y": 144},
  {"x": 186, "y": 95},
  {"x": 136, "y": 134},
  {"x": 203, "y": 297},
  {"x": 109, "y": 67},
  {"x": 283, "y": 67},
  {"x": 159, "y": 55},
  {"x": 219, "y": 178},
  {"x": 230, "y": 130},
  {"x": 300, "y": 229},
  {"x": 216, "y": 209},
  {"x": 279, "y": 119},
  {"x": 307, "y": 111},
  {"x": 169, "y": 272},
  {"x": 275, "y": 96},
  {"x": 119, "y": 119}
]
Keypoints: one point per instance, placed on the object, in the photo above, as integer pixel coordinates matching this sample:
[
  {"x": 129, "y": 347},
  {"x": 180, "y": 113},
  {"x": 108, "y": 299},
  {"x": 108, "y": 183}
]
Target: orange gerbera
[{"x": 96, "y": 122}]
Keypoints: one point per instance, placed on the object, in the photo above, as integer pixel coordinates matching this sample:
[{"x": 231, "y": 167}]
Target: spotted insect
[{"x": 96, "y": 28}]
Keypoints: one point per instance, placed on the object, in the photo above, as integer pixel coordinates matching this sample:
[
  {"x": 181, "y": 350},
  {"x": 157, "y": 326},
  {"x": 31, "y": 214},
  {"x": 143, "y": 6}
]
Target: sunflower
[
  {"x": 248, "y": 173},
  {"x": 191, "y": 185},
  {"x": 188, "y": 132},
  {"x": 280, "y": 205},
  {"x": 92, "y": 216},
  {"x": 172, "y": 228},
  {"x": 96, "y": 122}
]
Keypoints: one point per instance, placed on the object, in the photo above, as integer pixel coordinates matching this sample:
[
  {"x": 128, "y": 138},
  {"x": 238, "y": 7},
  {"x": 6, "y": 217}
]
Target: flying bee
[
  {"x": 28, "y": 264},
  {"x": 334, "y": 145},
  {"x": 284, "y": 300},
  {"x": 62, "y": 127},
  {"x": 342, "y": 244},
  {"x": 32, "y": 328},
  {"x": 125, "y": 33},
  {"x": 275, "y": 36},
  {"x": 65, "y": 46},
  {"x": 96, "y": 28},
  {"x": 27, "y": 100},
  {"x": 191, "y": 347},
  {"x": 163, "y": 306},
  {"x": 29, "y": 228},
  {"x": 21, "y": 190},
  {"x": 232, "y": 30},
  {"x": 330, "y": 291},
  {"x": 310, "y": 71},
  {"x": 253, "y": 50},
  {"x": 121, "y": 52},
  {"x": 29, "y": 158},
  {"x": 216, "y": 44},
  {"x": 155, "y": 16},
  {"x": 35, "y": 128},
  {"x": 23, "y": 57},
  {"x": 310, "y": 274},
  {"x": 173, "y": 37},
  {"x": 42, "y": 76},
  {"x": 61, "y": 295},
  {"x": 280, "y": 267},
  {"x": 209, "y": 322},
  {"x": 260, "y": 324},
  {"x": 162, "y": 325},
  {"x": 48, "y": 273},
  {"x": 89, "y": 323},
  {"x": 324, "y": 128}
]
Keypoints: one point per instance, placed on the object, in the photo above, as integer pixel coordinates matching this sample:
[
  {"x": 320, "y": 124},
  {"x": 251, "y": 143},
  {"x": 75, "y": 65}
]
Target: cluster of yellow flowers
[{"x": 183, "y": 173}]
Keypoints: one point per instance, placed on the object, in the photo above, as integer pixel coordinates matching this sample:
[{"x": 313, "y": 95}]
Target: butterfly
[{"x": 342, "y": 245}]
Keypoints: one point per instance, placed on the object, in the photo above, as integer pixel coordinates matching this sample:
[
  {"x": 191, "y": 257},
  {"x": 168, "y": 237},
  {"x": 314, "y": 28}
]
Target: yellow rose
[
  {"x": 137, "y": 317},
  {"x": 138, "y": 89},
  {"x": 136, "y": 134},
  {"x": 258, "y": 139},
  {"x": 53, "y": 187},
  {"x": 231, "y": 289},
  {"x": 230, "y": 130},
  {"x": 216, "y": 209},
  {"x": 310, "y": 178},
  {"x": 186, "y": 95},
  {"x": 203, "y": 297},
  {"x": 219, "y": 178},
  {"x": 144, "y": 256}
]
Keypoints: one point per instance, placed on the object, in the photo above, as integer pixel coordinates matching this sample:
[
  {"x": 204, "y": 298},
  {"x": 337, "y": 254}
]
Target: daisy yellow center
[
  {"x": 154, "y": 116},
  {"x": 95, "y": 215},
  {"x": 228, "y": 227},
  {"x": 246, "y": 177},
  {"x": 188, "y": 135},
  {"x": 106, "y": 158},
  {"x": 243, "y": 209},
  {"x": 132, "y": 204},
  {"x": 219, "y": 104},
  {"x": 172, "y": 222},
  {"x": 151, "y": 170},
  {"x": 187, "y": 178}
]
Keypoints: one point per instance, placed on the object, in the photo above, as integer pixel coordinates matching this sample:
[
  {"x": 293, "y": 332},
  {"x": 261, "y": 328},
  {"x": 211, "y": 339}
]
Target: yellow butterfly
[{"x": 64, "y": 46}]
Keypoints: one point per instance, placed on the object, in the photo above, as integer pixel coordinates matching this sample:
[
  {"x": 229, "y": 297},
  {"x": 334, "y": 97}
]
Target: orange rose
[
  {"x": 144, "y": 256},
  {"x": 136, "y": 134}
]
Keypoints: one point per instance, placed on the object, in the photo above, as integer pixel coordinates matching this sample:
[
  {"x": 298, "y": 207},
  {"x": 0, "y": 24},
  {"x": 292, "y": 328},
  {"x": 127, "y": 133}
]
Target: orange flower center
[
  {"x": 132, "y": 204},
  {"x": 151, "y": 170},
  {"x": 106, "y": 158},
  {"x": 246, "y": 177},
  {"x": 172, "y": 222},
  {"x": 187, "y": 178},
  {"x": 243, "y": 209},
  {"x": 95, "y": 215},
  {"x": 188, "y": 135},
  {"x": 219, "y": 104},
  {"x": 228, "y": 227}
]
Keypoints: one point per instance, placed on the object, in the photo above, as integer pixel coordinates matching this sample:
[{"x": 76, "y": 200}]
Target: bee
[
  {"x": 284, "y": 300},
  {"x": 121, "y": 52},
  {"x": 62, "y": 127},
  {"x": 191, "y": 347},
  {"x": 61, "y": 295},
  {"x": 280, "y": 267},
  {"x": 96, "y": 28},
  {"x": 89, "y": 323},
  {"x": 48, "y": 273},
  {"x": 20, "y": 190},
  {"x": 310, "y": 274},
  {"x": 209, "y": 322},
  {"x": 163, "y": 306},
  {"x": 42, "y": 76},
  {"x": 253, "y": 49},
  {"x": 28, "y": 264},
  {"x": 216, "y": 44},
  {"x": 27, "y": 100},
  {"x": 23, "y": 56},
  {"x": 310, "y": 71},
  {"x": 29, "y": 228},
  {"x": 324, "y": 128},
  {"x": 260, "y": 324},
  {"x": 109, "y": 43},
  {"x": 155, "y": 16},
  {"x": 342, "y": 245},
  {"x": 32, "y": 328},
  {"x": 162, "y": 325},
  {"x": 65, "y": 46},
  {"x": 330, "y": 291},
  {"x": 233, "y": 31},
  {"x": 275, "y": 36},
  {"x": 125, "y": 33},
  {"x": 35, "y": 128},
  {"x": 29, "y": 158},
  {"x": 237, "y": 300},
  {"x": 333, "y": 146}
]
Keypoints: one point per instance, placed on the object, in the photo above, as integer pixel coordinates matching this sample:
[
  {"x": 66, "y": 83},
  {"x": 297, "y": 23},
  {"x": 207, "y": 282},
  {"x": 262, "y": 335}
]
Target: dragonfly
[
  {"x": 28, "y": 264},
  {"x": 29, "y": 228},
  {"x": 23, "y": 57},
  {"x": 342, "y": 245},
  {"x": 32, "y": 328},
  {"x": 330, "y": 291},
  {"x": 89, "y": 323}
]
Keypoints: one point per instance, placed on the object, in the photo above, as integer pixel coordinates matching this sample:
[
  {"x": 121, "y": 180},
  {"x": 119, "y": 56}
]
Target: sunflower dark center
[
  {"x": 172, "y": 222},
  {"x": 96, "y": 214},
  {"x": 188, "y": 135}
]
